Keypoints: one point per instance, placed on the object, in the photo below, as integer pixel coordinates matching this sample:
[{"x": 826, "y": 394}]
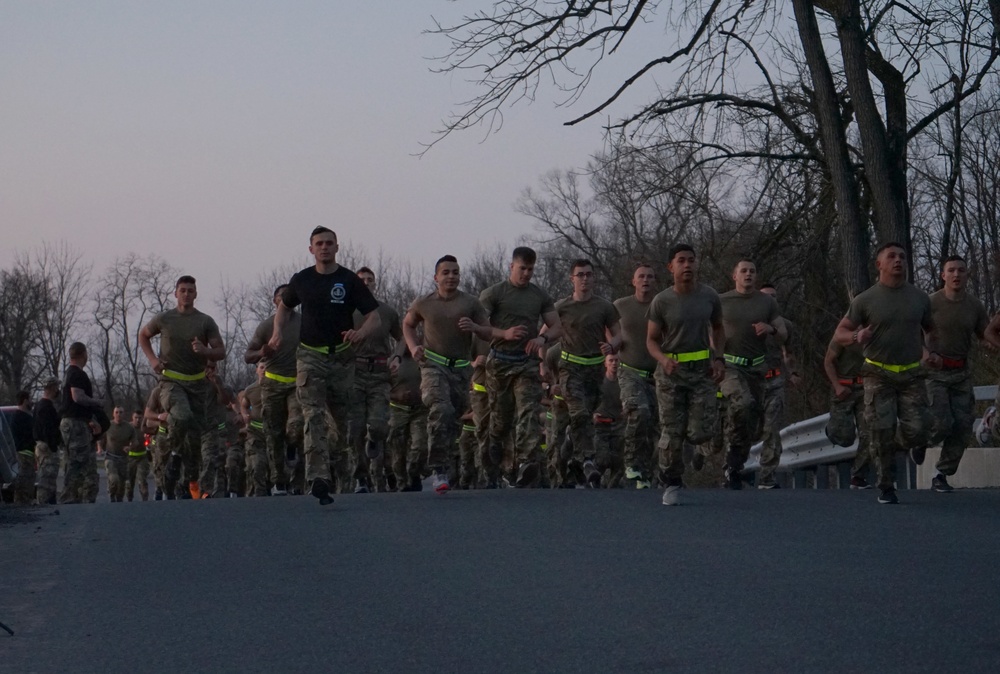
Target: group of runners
[{"x": 512, "y": 388}]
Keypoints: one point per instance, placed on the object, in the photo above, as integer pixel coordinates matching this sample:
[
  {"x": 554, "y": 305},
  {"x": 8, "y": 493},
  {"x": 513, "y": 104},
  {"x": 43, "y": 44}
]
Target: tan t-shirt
[
  {"x": 739, "y": 313},
  {"x": 686, "y": 319},
  {"x": 508, "y": 305},
  {"x": 897, "y": 316},
  {"x": 611, "y": 399},
  {"x": 253, "y": 394},
  {"x": 440, "y": 317},
  {"x": 848, "y": 360},
  {"x": 583, "y": 324},
  {"x": 406, "y": 383},
  {"x": 379, "y": 343},
  {"x": 177, "y": 331},
  {"x": 282, "y": 363},
  {"x": 956, "y": 323},
  {"x": 635, "y": 324},
  {"x": 120, "y": 438},
  {"x": 154, "y": 405}
]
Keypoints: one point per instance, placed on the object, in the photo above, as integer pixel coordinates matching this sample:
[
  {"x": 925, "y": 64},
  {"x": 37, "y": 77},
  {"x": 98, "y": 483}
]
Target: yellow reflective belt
[
  {"x": 221, "y": 426},
  {"x": 447, "y": 362},
  {"x": 257, "y": 424},
  {"x": 468, "y": 427},
  {"x": 479, "y": 387},
  {"x": 581, "y": 360},
  {"x": 143, "y": 453},
  {"x": 718, "y": 394},
  {"x": 27, "y": 452},
  {"x": 741, "y": 361},
  {"x": 892, "y": 368},
  {"x": 558, "y": 398},
  {"x": 400, "y": 406},
  {"x": 280, "y": 378},
  {"x": 690, "y": 356},
  {"x": 180, "y": 376},
  {"x": 548, "y": 415},
  {"x": 325, "y": 350},
  {"x": 644, "y": 373},
  {"x": 161, "y": 429}
]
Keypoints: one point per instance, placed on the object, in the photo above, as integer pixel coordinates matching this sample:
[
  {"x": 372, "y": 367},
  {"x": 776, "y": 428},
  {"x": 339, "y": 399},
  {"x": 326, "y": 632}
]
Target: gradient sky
[{"x": 218, "y": 133}]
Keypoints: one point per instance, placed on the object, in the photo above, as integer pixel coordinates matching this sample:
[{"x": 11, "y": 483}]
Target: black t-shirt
[
  {"x": 21, "y": 432},
  {"x": 328, "y": 303},
  {"x": 76, "y": 378},
  {"x": 46, "y": 427}
]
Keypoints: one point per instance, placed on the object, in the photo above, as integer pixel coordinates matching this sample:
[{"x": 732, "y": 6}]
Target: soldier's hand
[
  {"x": 199, "y": 347},
  {"x": 157, "y": 365},
  {"x": 865, "y": 334},
  {"x": 841, "y": 391},
  {"x": 275, "y": 342},
  {"x": 670, "y": 365},
  {"x": 418, "y": 353},
  {"x": 607, "y": 348},
  {"x": 393, "y": 365},
  {"x": 761, "y": 329},
  {"x": 515, "y": 333},
  {"x": 266, "y": 351},
  {"x": 466, "y": 324},
  {"x": 933, "y": 360},
  {"x": 718, "y": 371}
]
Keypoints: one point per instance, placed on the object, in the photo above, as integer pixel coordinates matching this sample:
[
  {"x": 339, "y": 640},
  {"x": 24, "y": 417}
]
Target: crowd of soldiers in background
[{"x": 510, "y": 389}]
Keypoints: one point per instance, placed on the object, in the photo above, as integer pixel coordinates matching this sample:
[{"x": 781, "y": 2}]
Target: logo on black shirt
[{"x": 338, "y": 293}]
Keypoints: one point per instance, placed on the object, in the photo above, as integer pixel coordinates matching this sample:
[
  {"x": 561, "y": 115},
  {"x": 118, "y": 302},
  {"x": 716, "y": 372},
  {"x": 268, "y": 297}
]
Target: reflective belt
[
  {"x": 889, "y": 367},
  {"x": 505, "y": 357},
  {"x": 582, "y": 360},
  {"x": 856, "y": 381},
  {"x": 325, "y": 350},
  {"x": 136, "y": 454},
  {"x": 718, "y": 394},
  {"x": 600, "y": 419},
  {"x": 741, "y": 361},
  {"x": 558, "y": 398},
  {"x": 222, "y": 426},
  {"x": 27, "y": 452},
  {"x": 400, "y": 406},
  {"x": 161, "y": 429},
  {"x": 257, "y": 424},
  {"x": 952, "y": 363},
  {"x": 280, "y": 377},
  {"x": 447, "y": 362},
  {"x": 548, "y": 415},
  {"x": 479, "y": 388},
  {"x": 690, "y": 356},
  {"x": 180, "y": 376},
  {"x": 771, "y": 374},
  {"x": 642, "y": 373},
  {"x": 469, "y": 427}
]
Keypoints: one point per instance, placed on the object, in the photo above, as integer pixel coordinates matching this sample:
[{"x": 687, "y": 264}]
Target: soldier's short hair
[
  {"x": 582, "y": 262},
  {"x": 279, "y": 289},
  {"x": 185, "y": 279},
  {"x": 364, "y": 270},
  {"x": 680, "y": 248},
  {"x": 952, "y": 258},
  {"x": 444, "y": 258},
  {"x": 887, "y": 245},
  {"x": 524, "y": 254},
  {"x": 77, "y": 350},
  {"x": 321, "y": 230}
]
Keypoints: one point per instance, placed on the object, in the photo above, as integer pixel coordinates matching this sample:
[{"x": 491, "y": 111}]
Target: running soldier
[
  {"x": 374, "y": 361},
  {"x": 557, "y": 418},
  {"x": 78, "y": 428},
  {"x": 450, "y": 318},
  {"x": 189, "y": 340},
  {"x": 257, "y": 468},
  {"x": 685, "y": 325},
  {"x": 47, "y": 441},
  {"x": 479, "y": 402},
  {"x": 329, "y": 295},
  {"x": 120, "y": 439},
  {"x": 635, "y": 378},
  {"x": 590, "y": 330},
  {"x": 280, "y": 404},
  {"x": 166, "y": 465},
  {"x": 515, "y": 308},
  {"x": 890, "y": 321},
  {"x": 781, "y": 371},
  {"x": 748, "y": 316},
  {"x": 842, "y": 366},
  {"x": 22, "y": 433},
  {"x": 959, "y": 316},
  {"x": 407, "y": 426},
  {"x": 137, "y": 469},
  {"x": 608, "y": 438}
]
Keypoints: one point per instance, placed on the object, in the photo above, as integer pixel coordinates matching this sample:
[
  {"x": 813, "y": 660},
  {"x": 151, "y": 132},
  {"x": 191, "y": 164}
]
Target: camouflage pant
[
  {"x": 581, "y": 387},
  {"x": 137, "y": 472},
  {"x": 689, "y": 411},
  {"x": 282, "y": 425},
  {"x": 407, "y": 441},
  {"x": 468, "y": 458},
  {"x": 48, "y": 472},
  {"x": 236, "y": 458},
  {"x": 369, "y": 422},
  {"x": 557, "y": 439},
  {"x": 80, "y": 485},
  {"x": 479, "y": 402},
  {"x": 445, "y": 393},
  {"x": 608, "y": 444},
  {"x": 325, "y": 385},
  {"x": 896, "y": 414},
  {"x": 847, "y": 422},
  {"x": 515, "y": 397},
  {"x": 185, "y": 403},
  {"x": 24, "y": 483},
  {"x": 257, "y": 466},
  {"x": 639, "y": 407},
  {"x": 212, "y": 478},
  {"x": 952, "y": 409},
  {"x": 772, "y": 419},
  {"x": 114, "y": 466},
  {"x": 743, "y": 389},
  {"x": 156, "y": 442}
]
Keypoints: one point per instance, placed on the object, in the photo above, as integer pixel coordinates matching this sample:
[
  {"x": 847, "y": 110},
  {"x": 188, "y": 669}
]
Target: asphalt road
[{"x": 507, "y": 581}]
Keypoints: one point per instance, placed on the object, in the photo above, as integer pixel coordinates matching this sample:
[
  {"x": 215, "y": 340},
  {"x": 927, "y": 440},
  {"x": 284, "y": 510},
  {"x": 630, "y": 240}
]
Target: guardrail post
[
  {"x": 822, "y": 476},
  {"x": 799, "y": 480},
  {"x": 844, "y": 475}
]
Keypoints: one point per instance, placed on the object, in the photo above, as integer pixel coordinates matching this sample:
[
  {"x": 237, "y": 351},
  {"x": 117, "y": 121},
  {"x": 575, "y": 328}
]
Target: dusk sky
[{"x": 219, "y": 133}]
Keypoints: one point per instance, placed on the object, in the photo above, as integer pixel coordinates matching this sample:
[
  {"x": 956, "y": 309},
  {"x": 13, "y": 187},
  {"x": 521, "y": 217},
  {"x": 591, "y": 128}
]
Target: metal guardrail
[{"x": 804, "y": 444}]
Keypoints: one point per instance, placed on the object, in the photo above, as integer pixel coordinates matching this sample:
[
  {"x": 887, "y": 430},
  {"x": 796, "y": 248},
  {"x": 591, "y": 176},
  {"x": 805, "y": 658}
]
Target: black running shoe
[
  {"x": 917, "y": 455},
  {"x": 526, "y": 475},
  {"x": 888, "y": 497},
  {"x": 321, "y": 490},
  {"x": 734, "y": 480},
  {"x": 858, "y": 482},
  {"x": 940, "y": 485}
]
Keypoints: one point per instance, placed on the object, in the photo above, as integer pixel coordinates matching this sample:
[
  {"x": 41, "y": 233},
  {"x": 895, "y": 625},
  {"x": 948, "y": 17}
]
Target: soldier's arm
[
  {"x": 830, "y": 367},
  {"x": 256, "y": 350},
  {"x": 145, "y": 343},
  {"x": 410, "y": 336},
  {"x": 992, "y": 333},
  {"x": 613, "y": 333},
  {"x": 216, "y": 349},
  {"x": 848, "y": 332},
  {"x": 281, "y": 318},
  {"x": 654, "y": 337}
]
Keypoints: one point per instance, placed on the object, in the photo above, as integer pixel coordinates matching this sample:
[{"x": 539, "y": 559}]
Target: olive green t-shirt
[
  {"x": 253, "y": 394},
  {"x": 739, "y": 313},
  {"x": 282, "y": 363},
  {"x": 897, "y": 316},
  {"x": 405, "y": 388},
  {"x": 775, "y": 350},
  {"x": 956, "y": 323},
  {"x": 584, "y": 323},
  {"x": 176, "y": 332},
  {"x": 635, "y": 324},
  {"x": 480, "y": 347},
  {"x": 440, "y": 317},
  {"x": 154, "y": 405},
  {"x": 120, "y": 438},
  {"x": 379, "y": 343},
  {"x": 508, "y": 305},
  {"x": 551, "y": 360},
  {"x": 848, "y": 359},
  {"x": 611, "y": 399},
  {"x": 686, "y": 319}
]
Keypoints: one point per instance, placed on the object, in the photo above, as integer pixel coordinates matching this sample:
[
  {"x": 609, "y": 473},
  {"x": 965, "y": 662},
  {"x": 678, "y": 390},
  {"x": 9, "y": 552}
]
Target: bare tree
[{"x": 24, "y": 301}]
